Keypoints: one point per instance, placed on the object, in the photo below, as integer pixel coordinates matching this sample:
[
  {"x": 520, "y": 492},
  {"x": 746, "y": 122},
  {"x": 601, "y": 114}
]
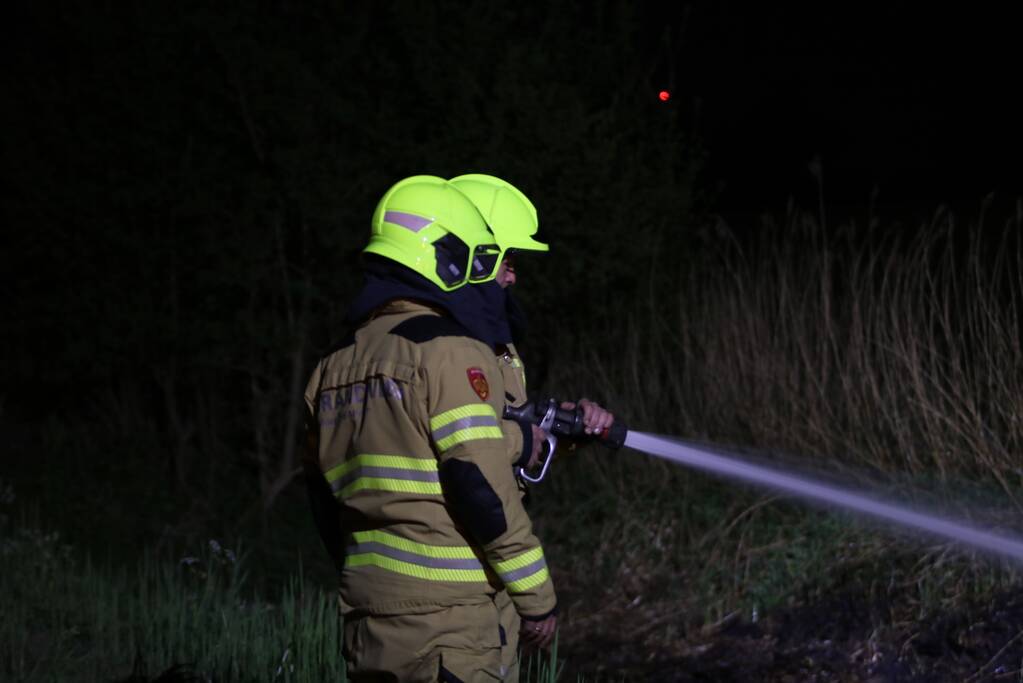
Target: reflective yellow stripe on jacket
[
  {"x": 524, "y": 571},
  {"x": 520, "y": 368},
  {"x": 465, "y": 423},
  {"x": 384, "y": 473},
  {"x": 400, "y": 555}
]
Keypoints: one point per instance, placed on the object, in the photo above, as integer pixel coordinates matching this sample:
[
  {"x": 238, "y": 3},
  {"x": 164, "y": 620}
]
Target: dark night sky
[
  {"x": 916, "y": 102},
  {"x": 907, "y": 99}
]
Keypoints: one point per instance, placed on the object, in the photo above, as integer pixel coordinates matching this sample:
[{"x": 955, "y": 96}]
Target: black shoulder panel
[
  {"x": 448, "y": 677},
  {"x": 423, "y": 328},
  {"x": 475, "y": 502}
]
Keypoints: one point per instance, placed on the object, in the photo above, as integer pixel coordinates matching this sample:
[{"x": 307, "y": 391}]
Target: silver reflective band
[
  {"x": 528, "y": 570},
  {"x": 465, "y": 423}
]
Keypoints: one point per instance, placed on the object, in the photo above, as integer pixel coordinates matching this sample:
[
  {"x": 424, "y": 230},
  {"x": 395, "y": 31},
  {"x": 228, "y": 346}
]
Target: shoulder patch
[
  {"x": 423, "y": 328},
  {"x": 478, "y": 382}
]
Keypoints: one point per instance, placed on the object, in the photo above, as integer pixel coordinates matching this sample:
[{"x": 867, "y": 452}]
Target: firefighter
[
  {"x": 512, "y": 218},
  {"x": 438, "y": 561}
]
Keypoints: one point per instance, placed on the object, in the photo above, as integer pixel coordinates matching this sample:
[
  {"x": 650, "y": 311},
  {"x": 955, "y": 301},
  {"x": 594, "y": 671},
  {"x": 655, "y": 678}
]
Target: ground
[{"x": 830, "y": 641}]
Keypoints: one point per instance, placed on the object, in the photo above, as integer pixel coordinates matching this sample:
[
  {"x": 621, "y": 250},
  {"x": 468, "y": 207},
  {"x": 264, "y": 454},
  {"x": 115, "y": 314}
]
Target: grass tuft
[{"x": 168, "y": 620}]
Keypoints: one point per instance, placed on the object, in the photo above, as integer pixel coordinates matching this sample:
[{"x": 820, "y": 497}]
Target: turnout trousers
[{"x": 470, "y": 643}]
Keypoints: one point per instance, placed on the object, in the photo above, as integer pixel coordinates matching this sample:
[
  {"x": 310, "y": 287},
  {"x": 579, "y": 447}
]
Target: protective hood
[{"x": 472, "y": 306}]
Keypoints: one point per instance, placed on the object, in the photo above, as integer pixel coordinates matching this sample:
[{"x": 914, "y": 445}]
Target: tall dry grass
[
  {"x": 888, "y": 357},
  {"x": 893, "y": 350},
  {"x": 897, "y": 351}
]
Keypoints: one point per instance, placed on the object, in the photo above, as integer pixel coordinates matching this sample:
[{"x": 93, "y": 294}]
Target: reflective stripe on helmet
[
  {"x": 402, "y": 556},
  {"x": 384, "y": 473},
  {"x": 465, "y": 423},
  {"x": 407, "y": 220},
  {"x": 524, "y": 571}
]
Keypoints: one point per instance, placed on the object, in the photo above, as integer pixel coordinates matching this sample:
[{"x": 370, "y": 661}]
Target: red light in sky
[{"x": 664, "y": 95}]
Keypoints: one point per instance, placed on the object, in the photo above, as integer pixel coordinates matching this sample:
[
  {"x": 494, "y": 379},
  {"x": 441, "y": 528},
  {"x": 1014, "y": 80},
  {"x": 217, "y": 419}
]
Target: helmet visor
[{"x": 485, "y": 260}]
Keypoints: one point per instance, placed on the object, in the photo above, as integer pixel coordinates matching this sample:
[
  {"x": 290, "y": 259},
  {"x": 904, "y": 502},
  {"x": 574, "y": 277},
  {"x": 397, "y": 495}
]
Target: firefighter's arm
[
  {"x": 518, "y": 435},
  {"x": 465, "y": 403},
  {"x": 519, "y": 438}
]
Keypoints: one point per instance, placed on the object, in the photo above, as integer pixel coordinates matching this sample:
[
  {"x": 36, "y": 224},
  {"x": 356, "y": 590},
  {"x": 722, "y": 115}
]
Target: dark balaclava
[
  {"x": 507, "y": 319},
  {"x": 479, "y": 309}
]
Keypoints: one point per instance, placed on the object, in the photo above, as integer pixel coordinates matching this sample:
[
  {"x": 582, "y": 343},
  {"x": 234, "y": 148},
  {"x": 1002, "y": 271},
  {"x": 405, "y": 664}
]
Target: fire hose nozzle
[
  {"x": 614, "y": 436},
  {"x": 565, "y": 422}
]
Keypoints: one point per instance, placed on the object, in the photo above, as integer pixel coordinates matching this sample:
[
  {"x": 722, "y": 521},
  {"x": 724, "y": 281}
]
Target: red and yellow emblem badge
[{"x": 478, "y": 382}]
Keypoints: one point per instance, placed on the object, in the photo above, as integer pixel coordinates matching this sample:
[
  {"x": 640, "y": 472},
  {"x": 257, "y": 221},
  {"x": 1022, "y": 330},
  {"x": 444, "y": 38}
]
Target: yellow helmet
[
  {"x": 508, "y": 212},
  {"x": 426, "y": 224}
]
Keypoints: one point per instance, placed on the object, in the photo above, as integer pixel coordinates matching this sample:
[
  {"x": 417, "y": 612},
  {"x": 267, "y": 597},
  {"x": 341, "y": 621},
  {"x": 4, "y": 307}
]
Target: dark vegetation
[{"x": 186, "y": 191}]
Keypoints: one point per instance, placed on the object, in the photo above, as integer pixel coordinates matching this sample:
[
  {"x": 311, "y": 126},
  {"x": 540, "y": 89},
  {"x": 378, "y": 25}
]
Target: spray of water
[{"x": 701, "y": 458}]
